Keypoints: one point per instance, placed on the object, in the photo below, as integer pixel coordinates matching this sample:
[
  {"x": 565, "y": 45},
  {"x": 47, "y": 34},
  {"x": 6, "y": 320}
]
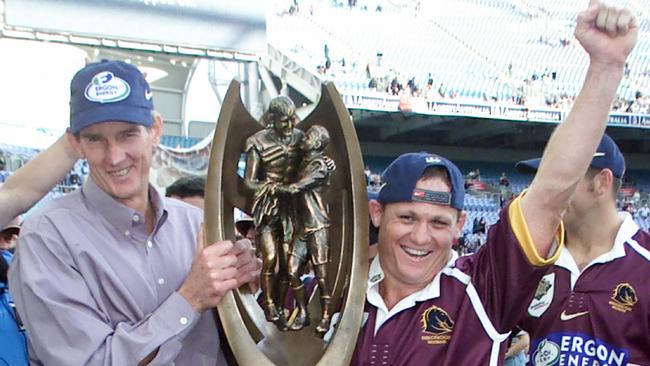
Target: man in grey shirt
[{"x": 113, "y": 273}]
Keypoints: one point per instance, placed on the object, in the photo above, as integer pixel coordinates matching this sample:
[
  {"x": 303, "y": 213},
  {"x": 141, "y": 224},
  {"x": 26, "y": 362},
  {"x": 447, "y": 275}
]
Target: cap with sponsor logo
[
  {"x": 400, "y": 178},
  {"x": 607, "y": 156},
  {"x": 109, "y": 91}
]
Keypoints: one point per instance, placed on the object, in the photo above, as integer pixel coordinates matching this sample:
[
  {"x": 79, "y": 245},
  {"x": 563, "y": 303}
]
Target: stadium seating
[
  {"x": 457, "y": 43},
  {"x": 178, "y": 141}
]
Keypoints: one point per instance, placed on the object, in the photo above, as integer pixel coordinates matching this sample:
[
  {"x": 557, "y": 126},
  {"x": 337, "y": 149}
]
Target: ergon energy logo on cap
[{"x": 105, "y": 87}]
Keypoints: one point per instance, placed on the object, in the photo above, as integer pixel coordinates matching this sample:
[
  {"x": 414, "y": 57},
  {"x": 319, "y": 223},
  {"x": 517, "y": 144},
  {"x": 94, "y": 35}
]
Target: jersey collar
[
  {"x": 376, "y": 275},
  {"x": 431, "y": 291},
  {"x": 625, "y": 232}
]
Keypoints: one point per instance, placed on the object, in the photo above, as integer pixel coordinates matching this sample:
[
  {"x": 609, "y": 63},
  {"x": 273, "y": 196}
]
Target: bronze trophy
[{"x": 304, "y": 187}]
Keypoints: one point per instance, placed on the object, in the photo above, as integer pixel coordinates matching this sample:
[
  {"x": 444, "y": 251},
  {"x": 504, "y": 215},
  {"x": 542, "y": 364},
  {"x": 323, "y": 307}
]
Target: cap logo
[
  {"x": 435, "y": 197},
  {"x": 599, "y": 154},
  {"x": 432, "y": 160},
  {"x": 107, "y": 88},
  {"x": 148, "y": 94}
]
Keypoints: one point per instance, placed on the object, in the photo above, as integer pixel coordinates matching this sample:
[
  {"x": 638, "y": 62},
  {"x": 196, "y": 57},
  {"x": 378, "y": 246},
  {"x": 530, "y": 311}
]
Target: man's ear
[
  {"x": 157, "y": 128},
  {"x": 376, "y": 211},
  {"x": 602, "y": 182},
  {"x": 462, "y": 217},
  {"x": 74, "y": 142}
]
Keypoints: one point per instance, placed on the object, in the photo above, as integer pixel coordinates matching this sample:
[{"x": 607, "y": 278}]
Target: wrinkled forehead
[{"x": 108, "y": 127}]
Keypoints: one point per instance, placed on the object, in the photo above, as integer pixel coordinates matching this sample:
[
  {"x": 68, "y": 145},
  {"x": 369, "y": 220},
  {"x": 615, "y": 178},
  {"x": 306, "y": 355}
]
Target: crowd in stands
[{"x": 514, "y": 83}]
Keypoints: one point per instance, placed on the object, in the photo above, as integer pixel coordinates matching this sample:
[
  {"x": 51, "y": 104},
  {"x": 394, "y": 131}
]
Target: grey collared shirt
[{"x": 93, "y": 287}]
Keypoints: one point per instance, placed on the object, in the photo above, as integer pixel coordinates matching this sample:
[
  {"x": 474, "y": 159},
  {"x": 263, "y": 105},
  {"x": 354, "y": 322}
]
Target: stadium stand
[
  {"x": 532, "y": 54},
  {"x": 178, "y": 141}
]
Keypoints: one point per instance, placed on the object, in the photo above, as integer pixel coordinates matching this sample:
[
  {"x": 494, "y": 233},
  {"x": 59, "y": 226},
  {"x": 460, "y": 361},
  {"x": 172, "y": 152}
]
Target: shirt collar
[
  {"x": 625, "y": 232},
  {"x": 430, "y": 291},
  {"x": 120, "y": 216}
]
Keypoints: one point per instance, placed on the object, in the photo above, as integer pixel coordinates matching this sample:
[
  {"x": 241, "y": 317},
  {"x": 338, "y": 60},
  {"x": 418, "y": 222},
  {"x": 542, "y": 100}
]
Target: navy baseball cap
[
  {"x": 607, "y": 156},
  {"x": 109, "y": 91},
  {"x": 400, "y": 177}
]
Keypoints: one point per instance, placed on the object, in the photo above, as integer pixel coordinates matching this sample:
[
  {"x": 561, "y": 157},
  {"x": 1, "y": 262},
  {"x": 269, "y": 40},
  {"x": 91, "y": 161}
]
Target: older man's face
[{"x": 119, "y": 155}]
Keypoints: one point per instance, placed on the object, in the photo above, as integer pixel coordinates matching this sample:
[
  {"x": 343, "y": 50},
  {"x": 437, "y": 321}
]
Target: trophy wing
[{"x": 224, "y": 189}]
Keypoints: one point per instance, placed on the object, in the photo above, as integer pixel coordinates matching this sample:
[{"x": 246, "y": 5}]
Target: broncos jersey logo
[
  {"x": 436, "y": 321},
  {"x": 623, "y": 297}
]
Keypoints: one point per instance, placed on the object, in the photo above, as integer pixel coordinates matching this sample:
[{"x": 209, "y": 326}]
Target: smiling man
[
  {"x": 427, "y": 307},
  {"x": 113, "y": 273}
]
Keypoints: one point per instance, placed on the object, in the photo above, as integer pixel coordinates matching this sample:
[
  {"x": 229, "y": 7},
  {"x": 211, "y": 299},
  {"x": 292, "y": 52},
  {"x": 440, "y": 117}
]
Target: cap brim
[
  {"x": 110, "y": 113},
  {"x": 528, "y": 166}
]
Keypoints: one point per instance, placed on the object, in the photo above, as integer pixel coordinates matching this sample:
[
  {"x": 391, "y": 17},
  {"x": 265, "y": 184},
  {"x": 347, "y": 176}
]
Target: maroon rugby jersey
[
  {"x": 464, "y": 315},
  {"x": 600, "y": 316}
]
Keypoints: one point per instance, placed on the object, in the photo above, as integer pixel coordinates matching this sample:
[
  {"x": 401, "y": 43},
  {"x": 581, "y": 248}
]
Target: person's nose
[
  {"x": 420, "y": 234},
  {"x": 114, "y": 153}
]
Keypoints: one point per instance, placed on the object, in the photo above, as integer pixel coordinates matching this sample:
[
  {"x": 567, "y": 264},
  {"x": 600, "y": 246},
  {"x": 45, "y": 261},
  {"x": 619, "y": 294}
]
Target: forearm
[
  {"x": 571, "y": 148},
  {"x": 568, "y": 154},
  {"x": 34, "y": 180},
  {"x": 608, "y": 35}
]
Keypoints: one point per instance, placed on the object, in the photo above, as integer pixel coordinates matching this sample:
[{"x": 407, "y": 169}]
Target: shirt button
[
  {"x": 161, "y": 281},
  {"x": 149, "y": 243},
  {"x": 183, "y": 320},
  {"x": 136, "y": 218}
]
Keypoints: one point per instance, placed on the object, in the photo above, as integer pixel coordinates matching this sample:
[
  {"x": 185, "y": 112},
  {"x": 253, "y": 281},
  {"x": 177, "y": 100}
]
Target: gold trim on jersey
[{"x": 520, "y": 229}]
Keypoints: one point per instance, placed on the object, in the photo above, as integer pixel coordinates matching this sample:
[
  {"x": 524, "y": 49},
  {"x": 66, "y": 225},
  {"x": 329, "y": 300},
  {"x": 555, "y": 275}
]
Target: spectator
[
  {"x": 503, "y": 180},
  {"x": 244, "y": 226},
  {"x": 479, "y": 225},
  {"x": 9, "y": 235},
  {"x": 374, "y": 185},
  {"x": 644, "y": 217},
  {"x": 13, "y": 347},
  {"x": 189, "y": 189}
]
